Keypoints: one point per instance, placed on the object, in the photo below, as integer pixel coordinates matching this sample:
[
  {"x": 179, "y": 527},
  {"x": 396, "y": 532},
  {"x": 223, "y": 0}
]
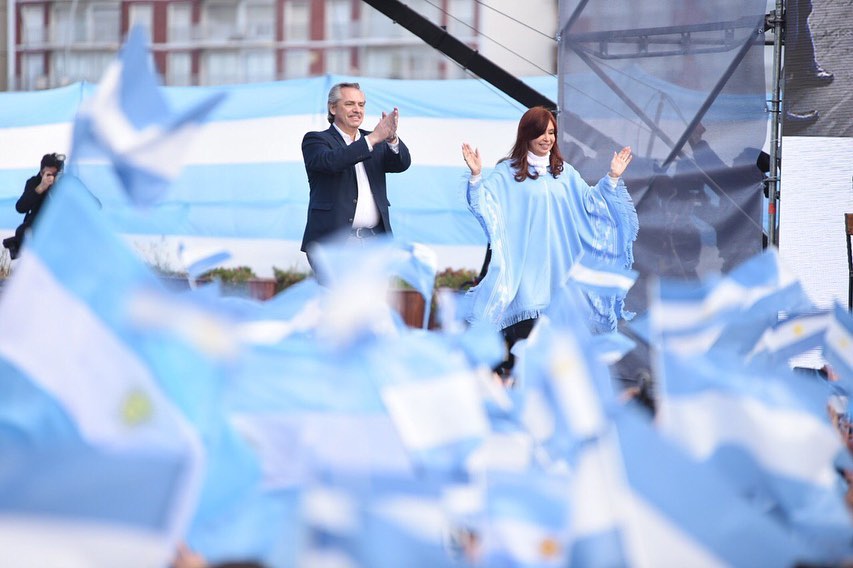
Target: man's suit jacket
[{"x": 330, "y": 165}]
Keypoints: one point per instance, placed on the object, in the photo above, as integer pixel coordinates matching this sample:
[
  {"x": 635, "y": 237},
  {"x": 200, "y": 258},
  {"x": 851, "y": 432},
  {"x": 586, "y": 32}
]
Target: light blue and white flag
[
  {"x": 565, "y": 390},
  {"x": 198, "y": 260},
  {"x": 768, "y": 433},
  {"x": 439, "y": 419},
  {"x": 730, "y": 312},
  {"x": 417, "y": 265},
  {"x": 637, "y": 500},
  {"x": 527, "y": 520},
  {"x": 790, "y": 338},
  {"x": 680, "y": 512},
  {"x": 74, "y": 504},
  {"x": 406, "y": 523},
  {"x": 381, "y": 522},
  {"x": 595, "y": 276},
  {"x": 838, "y": 348},
  {"x": 128, "y": 120},
  {"x": 359, "y": 279},
  {"x": 72, "y": 357},
  {"x": 612, "y": 347}
]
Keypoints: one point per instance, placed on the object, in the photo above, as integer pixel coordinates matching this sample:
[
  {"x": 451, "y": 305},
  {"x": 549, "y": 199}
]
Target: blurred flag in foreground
[
  {"x": 768, "y": 432},
  {"x": 128, "y": 120},
  {"x": 91, "y": 418}
]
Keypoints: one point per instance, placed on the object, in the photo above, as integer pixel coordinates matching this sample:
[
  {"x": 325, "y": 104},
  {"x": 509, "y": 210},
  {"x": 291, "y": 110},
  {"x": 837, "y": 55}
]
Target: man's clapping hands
[{"x": 386, "y": 128}]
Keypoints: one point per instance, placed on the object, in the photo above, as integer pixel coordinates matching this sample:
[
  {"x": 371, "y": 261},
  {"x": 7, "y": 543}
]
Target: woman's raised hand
[
  {"x": 472, "y": 159},
  {"x": 620, "y": 161}
]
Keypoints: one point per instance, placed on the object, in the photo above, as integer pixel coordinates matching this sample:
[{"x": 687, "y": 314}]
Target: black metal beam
[
  {"x": 712, "y": 96},
  {"x": 464, "y": 55}
]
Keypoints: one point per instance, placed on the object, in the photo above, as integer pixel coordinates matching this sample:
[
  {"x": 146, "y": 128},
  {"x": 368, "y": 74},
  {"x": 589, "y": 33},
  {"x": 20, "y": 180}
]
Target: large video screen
[
  {"x": 818, "y": 69},
  {"x": 817, "y": 146}
]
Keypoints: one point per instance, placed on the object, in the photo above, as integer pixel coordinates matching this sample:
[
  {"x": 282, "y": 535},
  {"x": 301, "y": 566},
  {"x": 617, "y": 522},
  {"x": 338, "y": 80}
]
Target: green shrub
[
  {"x": 460, "y": 279},
  {"x": 235, "y": 275},
  {"x": 286, "y": 278}
]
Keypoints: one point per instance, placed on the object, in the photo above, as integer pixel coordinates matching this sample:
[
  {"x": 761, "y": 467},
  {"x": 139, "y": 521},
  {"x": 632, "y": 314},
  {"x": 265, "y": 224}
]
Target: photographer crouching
[{"x": 36, "y": 191}]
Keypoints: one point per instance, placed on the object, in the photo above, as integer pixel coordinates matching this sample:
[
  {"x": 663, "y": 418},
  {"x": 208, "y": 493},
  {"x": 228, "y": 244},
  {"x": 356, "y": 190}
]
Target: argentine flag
[
  {"x": 127, "y": 120},
  {"x": 83, "y": 403}
]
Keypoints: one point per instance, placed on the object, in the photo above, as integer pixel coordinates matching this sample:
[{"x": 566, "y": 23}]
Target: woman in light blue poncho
[{"x": 540, "y": 216}]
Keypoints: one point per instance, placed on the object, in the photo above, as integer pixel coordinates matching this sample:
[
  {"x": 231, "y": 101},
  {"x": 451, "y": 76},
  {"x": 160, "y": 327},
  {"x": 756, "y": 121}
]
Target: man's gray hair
[{"x": 335, "y": 96}]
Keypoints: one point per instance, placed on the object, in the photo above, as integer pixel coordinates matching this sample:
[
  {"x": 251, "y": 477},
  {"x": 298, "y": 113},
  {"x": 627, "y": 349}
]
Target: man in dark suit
[{"x": 346, "y": 169}]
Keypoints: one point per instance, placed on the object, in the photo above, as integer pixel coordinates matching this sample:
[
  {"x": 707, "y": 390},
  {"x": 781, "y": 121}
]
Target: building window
[
  {"x": 179, "y": 22},
  {"x": 89, "y": 24},
  {"x": 460, "y": 22},
  {"x": 62, "y": 28},
  {"x": 259, "y": 66},
  {"x": 378, "y": 61},
  {"x": 32, "y": 72},
  {"x": 221, "y": 68},
  {"x": 179, "y": 69},
  {"x": 416, "y": 62},
  {"x": 68, "y": 67},
  {"x": 338, "y": 61},
  {"x": 240, "y": 20},
  {"x": 103, "y": 23},
  {"x": 141, "y": 15},
  {"x": 453, "y": 70},
  {"x": 297, "y": 63},
  {"x": 296, "y": 20},
  {"x": 260, "y": 20},
  {"x": 339, "y": 19},
  {"x": 220, "y": 21},
  {"x": 429, "y": 9},
  {"x": 32, "y": 25},
  {"x": 230, "y": 67},
  {"x": 421, "y": 62},
  {"x": 377, "y": 25}
]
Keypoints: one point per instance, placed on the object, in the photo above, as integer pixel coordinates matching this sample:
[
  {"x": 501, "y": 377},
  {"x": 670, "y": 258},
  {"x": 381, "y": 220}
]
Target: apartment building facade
[{"x": 215, "y": 42}]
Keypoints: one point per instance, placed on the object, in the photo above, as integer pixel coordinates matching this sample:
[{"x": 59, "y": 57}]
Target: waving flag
[
  {"x": 198, "y": 260},
  {"x": 381, "y": 522},
  {"x": 417, "y": 265},
  {"x": 527, "y": 520},
  {"x": 128, "y": 119},
  {"x": 729, "y": 313},
  {"x": 748, "y": 424},
  {"x": 790, "y": 338},
  {"x": 680, "y": 512},
  {"x": 440, "y": 419},
  {"x": 612, "y": 347},
  {"x": 565, "y": 388},
  {"x": 601, "y": 278},
  {"x": 838, "y": 347},
  {"x": 99, "y": 389}
]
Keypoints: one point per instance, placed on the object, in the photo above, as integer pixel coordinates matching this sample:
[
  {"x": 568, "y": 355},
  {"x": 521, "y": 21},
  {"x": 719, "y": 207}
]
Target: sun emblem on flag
[
  {"x": 549, "y": 548},
  {"x": 799, "y": 330},
  {"x": 565, "y": 364},
  {"x": 137, "y": 408}
]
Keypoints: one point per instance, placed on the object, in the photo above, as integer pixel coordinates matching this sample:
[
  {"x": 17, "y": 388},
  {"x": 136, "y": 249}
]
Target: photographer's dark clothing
[{"x": 29, "y": 204}]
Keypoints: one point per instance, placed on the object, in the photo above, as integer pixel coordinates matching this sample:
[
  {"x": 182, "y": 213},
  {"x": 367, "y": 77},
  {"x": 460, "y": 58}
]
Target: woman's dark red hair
[{"x": 532, "y": 125}]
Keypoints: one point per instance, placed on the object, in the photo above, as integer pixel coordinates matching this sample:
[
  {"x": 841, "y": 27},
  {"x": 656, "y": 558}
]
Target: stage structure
[
  {"x": 682, "y": 83},
  {"x": 655, "y": 73}
]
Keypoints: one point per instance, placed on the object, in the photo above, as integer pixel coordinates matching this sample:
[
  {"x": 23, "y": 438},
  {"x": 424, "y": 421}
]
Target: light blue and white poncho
[{"x": 538, "y": 228}]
